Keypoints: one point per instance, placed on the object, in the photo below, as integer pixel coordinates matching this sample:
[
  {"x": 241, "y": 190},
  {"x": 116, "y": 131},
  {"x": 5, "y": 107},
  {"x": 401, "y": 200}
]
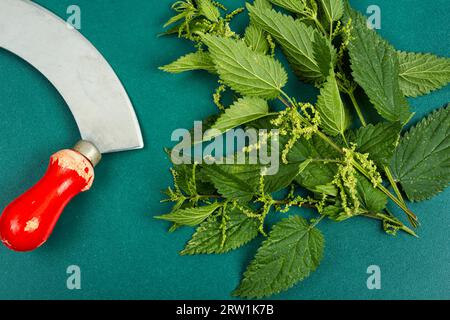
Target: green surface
[{"x": 109, "y": 231}]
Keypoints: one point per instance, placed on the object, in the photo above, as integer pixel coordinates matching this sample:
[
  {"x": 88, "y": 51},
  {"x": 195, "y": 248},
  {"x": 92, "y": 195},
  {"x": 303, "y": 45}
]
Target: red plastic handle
[{"x": 29, "y": 220}]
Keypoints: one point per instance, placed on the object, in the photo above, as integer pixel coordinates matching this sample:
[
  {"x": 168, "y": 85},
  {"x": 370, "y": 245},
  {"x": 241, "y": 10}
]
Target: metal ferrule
[{"x": 89, "y": 150}]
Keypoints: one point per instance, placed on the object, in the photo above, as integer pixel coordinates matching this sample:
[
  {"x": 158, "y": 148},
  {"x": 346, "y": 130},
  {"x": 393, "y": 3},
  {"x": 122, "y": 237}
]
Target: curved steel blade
[{"x": 88, "y": 84}]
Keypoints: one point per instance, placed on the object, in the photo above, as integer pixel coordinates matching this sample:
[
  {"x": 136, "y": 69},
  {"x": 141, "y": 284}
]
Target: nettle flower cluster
[{"x": 333, "y": 160}]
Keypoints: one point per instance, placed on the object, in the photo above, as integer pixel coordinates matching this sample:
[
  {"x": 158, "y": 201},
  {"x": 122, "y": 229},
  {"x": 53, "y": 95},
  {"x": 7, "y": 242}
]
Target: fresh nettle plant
[{"x": 332, "y": 159}]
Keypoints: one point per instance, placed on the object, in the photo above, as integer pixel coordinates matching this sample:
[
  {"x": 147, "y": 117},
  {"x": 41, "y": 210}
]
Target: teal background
[{"x": 110, "y": 233}]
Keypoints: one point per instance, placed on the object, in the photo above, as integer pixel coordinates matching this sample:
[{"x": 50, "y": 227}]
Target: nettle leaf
[
  {"x": 292, "y": 251},
  {"x": 379, "y": 141},
  {"x": 334, "y": 211},
  {"x": 235, "y": 182},
  {"x": 421, "y": 162},
  {"x": 245, "y": 71},
  {"x": 208, "y": 10},
  {"x": 174, "y": 19},
  {"x": 325, "y": 55},
  {"x": 335, "y": 118},
  {"x": 199, "y": 60},
  {"x": 422, "y": 73},
  {"x": 190, "y": 216},
  {"x": 334, "y": 9},
  {"x": 209, "y": 237},
  {"x": 295, "y": 38},
  {"x": 262, "y": 3},
  {"x": 317, "y": 173},
  {"x": 285, "y": 176},
  {"x": 295, "y": 6},
  {"x": 244, "y": 110},
  {"x": 256, "y": 39},
  {"x": 372, "y": 199},
  {"x": 376, "y": 69},
  {"x": 185, "y": 178},
  {"x": 189, "y": 184}
]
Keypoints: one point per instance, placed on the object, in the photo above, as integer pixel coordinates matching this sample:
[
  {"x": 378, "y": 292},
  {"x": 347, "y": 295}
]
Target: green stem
[
  {"x": 315, "y": 223},
  {"x": 357, "y": 108},
  {"x": 397, "y": 191},
  {"x": 345, "y": 139},
  {"x": 319, "y": 25},
  {"x": 285, "y": 95},
  {"x": 383, "y": 217},
  {"x": 331, "y": 31},
  {"x": 214, "y": 196},
  {"x": 325, "y": 138},
  {"x": 393, "y": 183},
  {"x": 383, "y": 189},
  {"x": 402, "y": 226},
  {"x": 411, "y": 216}
]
